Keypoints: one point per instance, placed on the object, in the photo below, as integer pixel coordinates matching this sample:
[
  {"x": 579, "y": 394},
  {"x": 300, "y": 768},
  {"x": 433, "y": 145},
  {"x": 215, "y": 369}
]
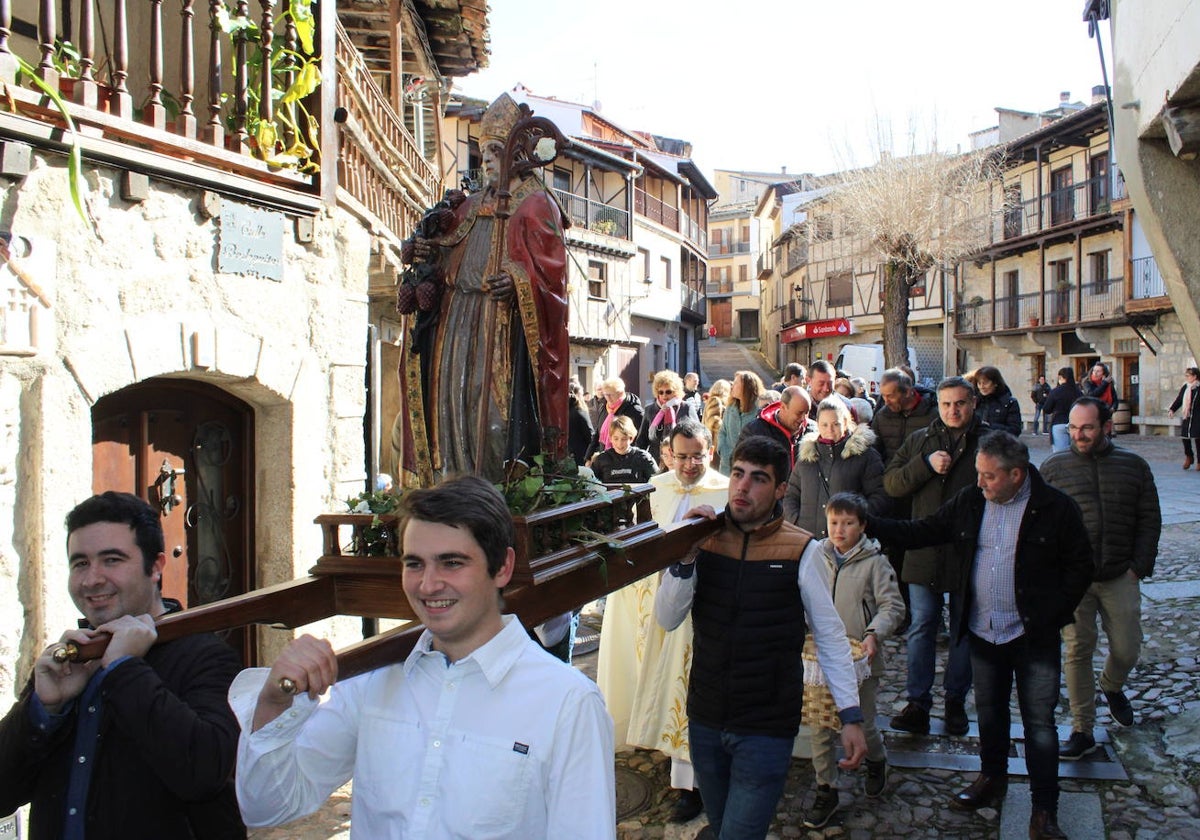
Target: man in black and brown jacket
[
  {"x": 931, "y": 466},
  {"x": 1116, "y": 492},
  {"x": 753, "y": 589}
]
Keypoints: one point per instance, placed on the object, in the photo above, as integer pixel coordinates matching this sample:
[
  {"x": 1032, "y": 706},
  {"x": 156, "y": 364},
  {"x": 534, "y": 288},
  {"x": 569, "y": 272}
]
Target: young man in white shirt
[{"x": 478, "y": 733}]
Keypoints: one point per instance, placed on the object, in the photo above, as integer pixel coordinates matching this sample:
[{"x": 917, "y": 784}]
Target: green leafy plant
[
  {"x": 376, "y": 539},
  {"x": 75, "y": 152},
  {"x": 289, "y": 116},
  {"x": 535, "y": 485}
]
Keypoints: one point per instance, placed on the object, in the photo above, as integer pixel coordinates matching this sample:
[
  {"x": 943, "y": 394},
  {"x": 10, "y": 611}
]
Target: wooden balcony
[{"x": 151, "y": 88}]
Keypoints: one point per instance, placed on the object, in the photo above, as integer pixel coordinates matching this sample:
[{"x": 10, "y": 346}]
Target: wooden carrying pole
[{"x": 576, "y": 580}]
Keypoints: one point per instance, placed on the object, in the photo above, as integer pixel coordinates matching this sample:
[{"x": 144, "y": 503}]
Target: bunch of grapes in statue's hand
[{"x": 420, "y": 284}]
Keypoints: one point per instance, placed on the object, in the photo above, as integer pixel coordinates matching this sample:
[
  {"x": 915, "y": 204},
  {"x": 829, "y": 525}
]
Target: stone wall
[{"x": 135, "y": 293}]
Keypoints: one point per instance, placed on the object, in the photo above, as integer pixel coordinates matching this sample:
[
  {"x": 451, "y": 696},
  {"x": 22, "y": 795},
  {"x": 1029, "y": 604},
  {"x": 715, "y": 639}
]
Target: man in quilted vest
[{"x": 753, "y": 589}]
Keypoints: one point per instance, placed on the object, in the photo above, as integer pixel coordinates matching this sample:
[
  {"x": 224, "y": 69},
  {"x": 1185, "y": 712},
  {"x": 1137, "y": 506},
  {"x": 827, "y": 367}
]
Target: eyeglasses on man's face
[{"x": 695, "y": 459}]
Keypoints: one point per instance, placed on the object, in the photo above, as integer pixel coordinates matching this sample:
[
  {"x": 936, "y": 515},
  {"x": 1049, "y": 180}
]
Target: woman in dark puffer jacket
[{"x": 996, "y": 405}]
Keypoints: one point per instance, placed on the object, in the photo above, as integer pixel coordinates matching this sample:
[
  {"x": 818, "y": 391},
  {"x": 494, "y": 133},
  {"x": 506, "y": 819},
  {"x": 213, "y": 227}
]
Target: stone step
[{"x": 1079, "y": 814}]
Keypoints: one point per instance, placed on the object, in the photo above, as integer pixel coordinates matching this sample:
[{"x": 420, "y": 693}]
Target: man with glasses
[
  {"x": 1115, "y": 490},
  {"x": 643, "y": 670}
]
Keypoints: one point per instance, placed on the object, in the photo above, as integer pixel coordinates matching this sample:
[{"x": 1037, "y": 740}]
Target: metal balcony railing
[
  {"x": 1077, "y": 202},
  {"x": 1147, "y": 282},
  {"x": 766, "y": 263},
  {"x": 594, "y": 215},
  {"x": 1102, "y": 299},
  {"x": 727, "y": 249}
]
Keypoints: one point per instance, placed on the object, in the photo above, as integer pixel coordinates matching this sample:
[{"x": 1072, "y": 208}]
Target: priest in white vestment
[{"x": 643, "y": 670}]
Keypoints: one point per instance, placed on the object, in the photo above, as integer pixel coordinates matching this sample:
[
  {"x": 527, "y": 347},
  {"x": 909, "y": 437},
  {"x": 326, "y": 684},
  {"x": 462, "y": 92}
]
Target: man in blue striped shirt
[{"x": 1025, "y": 562}]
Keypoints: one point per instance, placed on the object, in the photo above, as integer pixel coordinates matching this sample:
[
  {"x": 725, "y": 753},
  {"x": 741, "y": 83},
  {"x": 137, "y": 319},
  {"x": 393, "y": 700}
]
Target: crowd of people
[
  {"x": 846, "y": 521},
  {"x": 882, "y": 485}
]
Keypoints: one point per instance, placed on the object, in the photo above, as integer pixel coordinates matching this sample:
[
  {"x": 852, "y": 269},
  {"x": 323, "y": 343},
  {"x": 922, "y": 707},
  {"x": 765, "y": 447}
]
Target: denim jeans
[
  {"x": 1060, "y": 438},
  {"x": 741, "y": 779},
  {"x": 925, "y": 605},
  {"x": 1036, "y": 666},
  {"x": 1041, "y": 421}
]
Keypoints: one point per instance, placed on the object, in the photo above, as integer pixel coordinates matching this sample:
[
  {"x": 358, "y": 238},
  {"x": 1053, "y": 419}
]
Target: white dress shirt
[
  {"x": 673, "y": 601},
  {"x": 505, "y": 744}
]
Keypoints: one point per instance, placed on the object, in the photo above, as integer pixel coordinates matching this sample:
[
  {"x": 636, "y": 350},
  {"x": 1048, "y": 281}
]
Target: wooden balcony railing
[
  {"x": 150, "y": 76},
  {"x": 380, "y": 165}
]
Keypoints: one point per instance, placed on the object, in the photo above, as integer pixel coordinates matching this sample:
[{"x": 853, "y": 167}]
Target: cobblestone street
[{"x": 1160, "y": 753}]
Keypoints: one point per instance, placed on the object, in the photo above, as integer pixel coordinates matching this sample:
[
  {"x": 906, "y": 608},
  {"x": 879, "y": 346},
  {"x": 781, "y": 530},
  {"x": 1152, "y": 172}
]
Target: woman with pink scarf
[
  {"x": 667, "y": 409},
  {"x": 617, "y": 403},
  {"x": 1189, "y": 428}
]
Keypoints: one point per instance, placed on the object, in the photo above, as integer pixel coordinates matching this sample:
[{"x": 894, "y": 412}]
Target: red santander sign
[{"x": 817, "y": 329}]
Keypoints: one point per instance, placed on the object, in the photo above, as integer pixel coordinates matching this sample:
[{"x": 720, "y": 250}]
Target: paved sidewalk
[{"x": 1160, "y": 753}]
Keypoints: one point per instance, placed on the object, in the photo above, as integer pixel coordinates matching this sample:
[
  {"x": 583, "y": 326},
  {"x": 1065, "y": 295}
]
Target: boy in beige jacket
[{"x": 867, "y": 597}]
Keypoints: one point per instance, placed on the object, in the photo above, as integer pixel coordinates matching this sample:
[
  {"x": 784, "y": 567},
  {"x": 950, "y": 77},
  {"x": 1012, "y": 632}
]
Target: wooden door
[
  {"x": 187, "y": 449},
  {"x": 720, "y": 315}
]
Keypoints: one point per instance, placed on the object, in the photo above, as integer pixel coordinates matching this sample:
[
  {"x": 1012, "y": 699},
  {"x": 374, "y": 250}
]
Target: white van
[{"x": 866, "y": 360}]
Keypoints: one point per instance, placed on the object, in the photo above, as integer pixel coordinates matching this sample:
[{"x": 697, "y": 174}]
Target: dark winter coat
[
  {"x": 893, "y": 428},
  {"x": 1115, "y": 490},
  {"x": 850, "y": 465},
  {"x": 1058, "y": 404},
  {"x": 630, "y": 407},
  {"x": 579, "y": 431},
  {"x": 909, "y": 476},
  {"x": 1053, "y": 559},
  {"x": 652, "y": 440},
  {"x": 1190, "y": 425},
  {"x": 1000, "y": 410},
  {"x": 1105, "y": 390},
  {"x": 634, "y": 467},
  {"x": 1039, "y": 393},
  {"x": 168, "y": 748}
]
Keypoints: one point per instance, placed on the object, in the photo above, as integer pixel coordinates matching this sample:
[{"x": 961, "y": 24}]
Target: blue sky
[{"x": 762, "y": 84}]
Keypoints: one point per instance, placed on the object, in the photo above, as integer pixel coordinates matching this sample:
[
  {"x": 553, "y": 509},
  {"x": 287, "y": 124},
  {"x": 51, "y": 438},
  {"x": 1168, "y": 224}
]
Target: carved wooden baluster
[
  {"x": 266, "y": 29},
  {"x": 214, "y": 129},
  {"x": 120, "y": 102},
  {"x": 87, "y": 91},
  {"x": 8, "y": 62},
  {"x": 185, "y": 123},
  {"x": 292, "y": 42},
  {"x": 45, "y": 68},
  {"x": 240, "y": 79},
  {"x": 154, "y": 114}
]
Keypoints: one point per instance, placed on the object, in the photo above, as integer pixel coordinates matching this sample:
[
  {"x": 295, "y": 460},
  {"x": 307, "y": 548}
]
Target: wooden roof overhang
[{"x": 440, "y": 38}]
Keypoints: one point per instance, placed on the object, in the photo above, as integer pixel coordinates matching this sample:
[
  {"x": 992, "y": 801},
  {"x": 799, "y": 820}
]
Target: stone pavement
[{"x": 1160, "y": 753}]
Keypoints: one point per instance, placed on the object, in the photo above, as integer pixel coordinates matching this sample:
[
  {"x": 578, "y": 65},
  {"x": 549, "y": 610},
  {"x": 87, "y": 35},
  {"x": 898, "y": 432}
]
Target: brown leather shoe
[
  {"x": 985, "y": 791},
  {"x": 1043, "y": 825},
  {"x": 1187, "y": 461}
]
